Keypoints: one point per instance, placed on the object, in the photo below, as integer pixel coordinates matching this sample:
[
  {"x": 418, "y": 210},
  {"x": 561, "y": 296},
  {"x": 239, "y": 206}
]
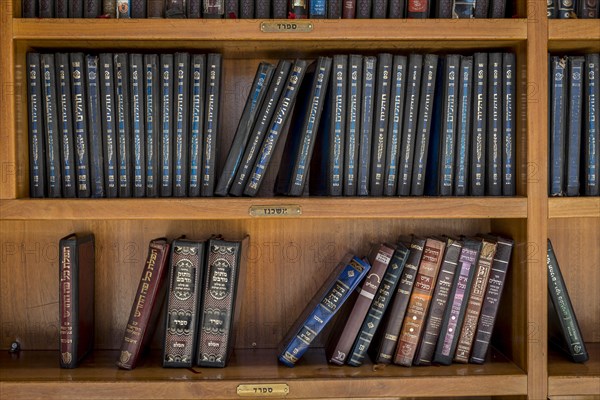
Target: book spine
[
  {"x": 552, "y": 9},
  {"x": 146, "y": 304},
  {"x": 166, "y": 128},
  {"x": 391, "y": 329},
  {"x": 498, "y": 9},
  {"x": 481, "y": 9},
  {"x": 509, "y": 121},
  {"x": 463, "y": 9},
  {"x": 46, "y": 9},
  {"x": 444, "y": 9},
  {"x": 181, "y": 95},
  {"x": 591, "y": 124},
  {"x": 94, "y": 127},
  {"x": 463, "y": 128},
  {"x": 558, "y": 126},
  {"x": 379, "y": 305},
  {"x": 138, "y": 8},
  {"x": 494, "y": 129},
  {"x": 489, "y": 308},
  {"x": 213, "y": 9},
  {"x": 247, "y": 9},
  {"x": 211, "y": 123},
  {"x": 450, "y": 99},
  {"x": 475, "y": 302},
  {"x": 298, "y": 9},
  {"x": 109, "y": 127},
  {"x": 395, "y": 122},
  {"x": 65, "y": 124},
  {"x": 29, "y": 8},
  {"x": 80, "y": 124},
  {"x": 417, "y": 9},
  {"x": 456, "y": 307},
  {"x": 152, "y": 124},
  {"x": 109, "y": 8},
  {"x": 363, "y": 8},
  {"x": 262, "y": 9},
  {"x": 193, "y": 9},
  {"x": 330, "y": 301},
  {"x": 409, "y": 130},
  {"x": 337, "y": 137},
  {"x": 317, "y": 9},
  {"x": 37, "y": 150},
  {"x": 61, "y": 9},
  {"x": 334, "y": 9},
  {"x": 479, "y": 114},
  {"x": 353, "y": 113},
  {"x": 51, "y": 131},
  {"x": 439, "y": 301},
  {"x": 588, "y": 9},
  {"x": 380, "y": 8},
  {"x": 366, "y": 125},
  {"x": 423, "y": 132},
  {"x": 280, "y": 118},
  {"x": 396, "y": 9},
  {"x": 575, "y": 81},
  {"x": 123, "y": 124},
  {"x": 92, "y": 8},
  {"x": 559, "y": 297},
  {"x": 380, "y": 123},
  {"x": 123, "y": 9},
  {"x": 184, "y": 291},
  {"x": 232, "y": 8},
  {"x": 566, "y": 9},
  {"x": 68, "y": 306},
  {"x": 198, "y": 82},
  {"x": 418, "y": 305},
  {"x": 349, "y": 9}
]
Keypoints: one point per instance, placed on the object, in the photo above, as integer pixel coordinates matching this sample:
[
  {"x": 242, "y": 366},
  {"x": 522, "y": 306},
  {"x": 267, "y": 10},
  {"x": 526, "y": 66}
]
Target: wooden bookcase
[{"x": 289, "y": 257}]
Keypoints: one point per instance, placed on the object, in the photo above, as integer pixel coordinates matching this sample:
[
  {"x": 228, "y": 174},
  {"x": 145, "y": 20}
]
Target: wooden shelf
[
  {"x": 238, "y": 208},
  {"x": 36, "y": 374},
  {"x": 570, "y": 207},
  {"x": 566, "y": 378},
  {"x": 574, "y": 35}
]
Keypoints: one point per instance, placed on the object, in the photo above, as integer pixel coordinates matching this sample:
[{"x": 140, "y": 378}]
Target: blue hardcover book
[
  {"x": 409, "y": 130},
  {"x": 65, "y": 124},
  {"x": 136, "y": 76},
  {"x": 152, "y": 122},
  {"x": 574, "y": 111},
  {"x": 395, "y": 123},
  {"x": 337, "y": 128},
  {"x": 166, "y": 125},
  {"x": 383, "y": 80},
  {"x": 591, "y": 126},
  {"x": 566, "y": 9},
  {"x": 211, "y": 123},
  {"x": 37, "y": 150},
  {"x": 317, "y": 9},
  {"x": 448, "y": 124},
  {"x": 493, "y": 152},
  {"x": 94, "y": 127},
  {"x": 463, "y": 127},
  {"x": 509, "y": 121},
  {"x": 51, "y": 129},
  {"x": 558, "y": 125},
  {"x": 463, "y": 8},
  {"x": 123, "y": 124},
  {"x": 366, "y": 125},
  {"x": 109, "y": 126},
  {"x": 198, "y": 81},
  {"x": 423, "y": 132},
  {"x": 353, "y": 112},
  {"x": 342, "y": 281},
  {"x": 80, "y": 124},
  {"x": 478, "y": 141},
  {"x": 181, "y": 81}
]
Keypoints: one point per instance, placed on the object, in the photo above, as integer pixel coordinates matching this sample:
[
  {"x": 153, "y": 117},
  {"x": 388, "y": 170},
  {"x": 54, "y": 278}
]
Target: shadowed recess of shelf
[{"x": 566, "y": 378}]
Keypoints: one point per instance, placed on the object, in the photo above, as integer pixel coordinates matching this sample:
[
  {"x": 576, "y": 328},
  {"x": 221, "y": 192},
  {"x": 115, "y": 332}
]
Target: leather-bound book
[
  {"x": 156, "y": 9},
  {"x": 418, "y": 9},
  {"x": 138, "y": 8}
]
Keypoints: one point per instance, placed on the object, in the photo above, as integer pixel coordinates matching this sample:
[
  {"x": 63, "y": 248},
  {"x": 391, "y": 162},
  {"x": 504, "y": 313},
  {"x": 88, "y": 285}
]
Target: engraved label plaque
[
  {"x": 262, "y": 390},
  {"x": 275, "y": 211},
  {"x": 285, "y": 26}
]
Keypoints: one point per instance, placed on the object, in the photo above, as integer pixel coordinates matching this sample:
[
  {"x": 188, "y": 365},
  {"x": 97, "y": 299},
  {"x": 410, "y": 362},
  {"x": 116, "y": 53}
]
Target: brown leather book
[
  {"x": 420, "y": 298},
  {"x": 146, "y": 305}
]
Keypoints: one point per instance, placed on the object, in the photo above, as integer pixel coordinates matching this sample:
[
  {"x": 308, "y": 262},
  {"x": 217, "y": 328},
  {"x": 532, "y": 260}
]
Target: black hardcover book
[
  {"x": 82, "y": 157},
  {"x": 380, "y": 8},
  {"x": 509, "y": 124},
  {"x": 181, "y": 97},
  {"x": 65, "y": 124},
  {"x": 46, "y": 9},
  {"x": 138, "y": 8},
  {"x": 93, "y": 8},
  {"x": 136, "y": 79},
  {"x": 366, "y": 124},
  {"x": 334, "y": 9},
  {"x": 566, "y": 9},
  {"x": 564, "y": 331},
  {"x": 418, "y": 9},
  {"x": 29, "y": 8},
  {"x": 263, "y": 119},
  {"x": 353, "y": 112},
  {"x": 432, "y": 170},
  {"x": 108, "y": 115},
  {"x": 302, "y": 135},
  {"x": 396, "y": 8},
  {"x": 61, "y": 9},
  {"x": 409, "y": 130},
  {"x": 166, "y": 126},
  {"x": 262, "y": 9},
  {"x": 574, "y": 111},
  {"x": 395, "y": 123},
  {"x": 552, "y": 9},
  {"x": 463, "y": 8},
  {"x": 428, "y": 84},
  {"x": 94, "y": 127},
  {"x": 448, "y": 127},
  {"x": 211, "y": 124},
  {"x": 247, "y": 9},
  {"x": 193, "y": 9},
  {"x": 463, "y": 127},
  {"x": 481, "y": 9},
  {"x": 232, "y": 9},
  {"x": 261, "y": 82},
  {"x": 497, "y": 9},
  {"x": 558, "y": 125},
  {"x": 363, "y": 8},
  {"x": 337, "y": 126},
  {"x": 479, "y": 116},
  {"x": 591, "y": 126},
  {"x": 281, "y": 115},
  {"x": 124, "y": 138},
  {"x": 383, "y": 80},
  {"x": 152, "y": 122},
  {"x": 588, "y": 9},
  {"x": 213, "y": 9},
  {"x": 52, "y": 135},
  {"x": 37, "y": 149},
  {"x": 493, "y": 151},
  {"x": 298, "y": 9},
  {"x": 444, "y": 9},
  {"x": 198, "y": 85}
]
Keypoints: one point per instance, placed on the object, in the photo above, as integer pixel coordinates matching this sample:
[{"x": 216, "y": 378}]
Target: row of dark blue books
[
  {"x": 573, "y": 9},
  {"x": 574, "y": 125},
  {"x": 123, "y": 125}
]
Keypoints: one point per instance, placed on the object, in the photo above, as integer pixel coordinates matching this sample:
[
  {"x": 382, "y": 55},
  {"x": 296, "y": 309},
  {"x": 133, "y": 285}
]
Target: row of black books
[
  {"x": 201, "y": 280},
  {"x": 279, "y": 9},
  {"x": 574, "y": 125},
  {"x": 123, "y": 125},
  {"x": 572, "y": 9}
]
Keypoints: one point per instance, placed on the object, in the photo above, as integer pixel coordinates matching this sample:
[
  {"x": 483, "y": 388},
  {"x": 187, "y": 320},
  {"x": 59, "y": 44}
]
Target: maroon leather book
[
  {"x": 348, "y": 9},
  {"x": 156, "y": 9},
  {"x": 76, "y": 298},
  {"x": 146, "y": 305}
]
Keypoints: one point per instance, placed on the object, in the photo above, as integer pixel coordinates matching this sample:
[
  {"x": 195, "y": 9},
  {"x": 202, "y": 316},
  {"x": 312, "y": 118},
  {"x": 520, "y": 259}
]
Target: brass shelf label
[
  {"x": 275, "y": 211},
  {"x": 262, "y": 390},
  {"x": 284, "y": 26}
]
